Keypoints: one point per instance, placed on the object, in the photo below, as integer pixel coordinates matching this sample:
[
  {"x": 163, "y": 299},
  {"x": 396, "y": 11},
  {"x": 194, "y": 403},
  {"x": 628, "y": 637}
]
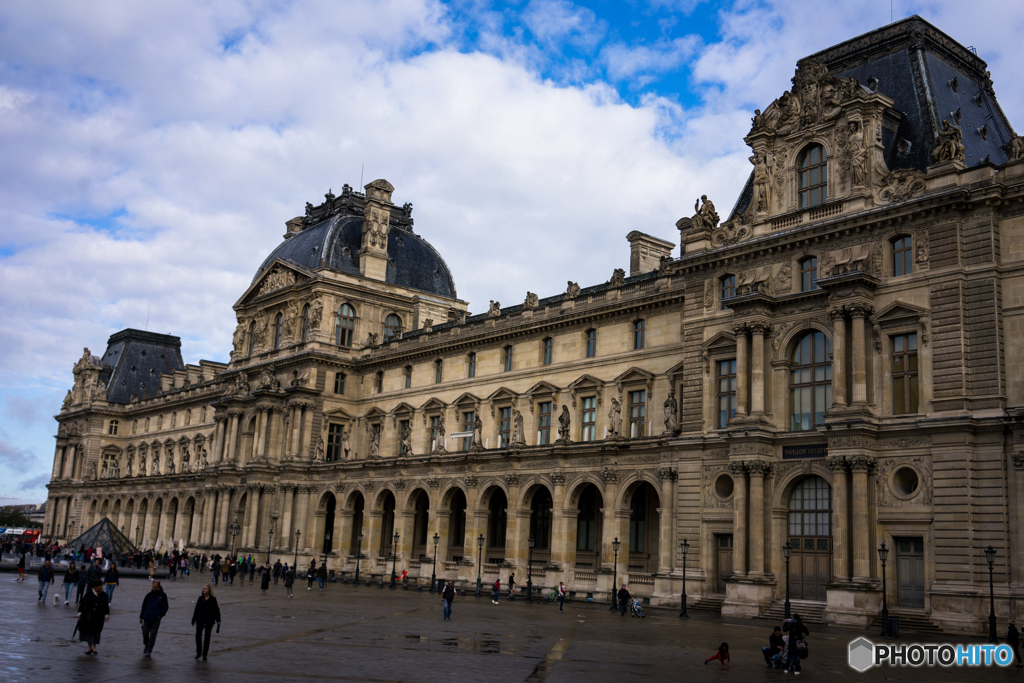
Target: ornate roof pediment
[{"x": 279, "y": 275}]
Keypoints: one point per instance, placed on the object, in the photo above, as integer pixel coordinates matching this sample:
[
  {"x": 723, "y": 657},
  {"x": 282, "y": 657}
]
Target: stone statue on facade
[
  {"x": 67, "y": 401},
  {"x": 858, "y": 153},
  {"x": 477, "y": 443},
  {"x": 238, "y": 338},
  {"x": 115, "y": 469},
  {"x": 671, "y": 413},
  {"x": 564, "y": 422},
  {"x": 155, "y": 470},
  {"x": 706, "y": 217},
  {"x": 345, "y": 448},
  {"x": 1015, "y": 148},
  {"x": 372, "y": 340},
  {"x": 615, "y": 420},
  {"x": 572, "y": 291},
  {"x": 439, "y": 432},
  {"x": 92, "y": 472},
  {"x": 531, "y": 300},
  {"x": 949, "y": 144},
  {"x": 762, "y": 181},
  {"x": 374, "y": 441},
  {"x": 618, "y": 278},
  {"x": 186, "y": 458},
  {"x": 170, "y": 465},
  {"x": 142, "y": 465},
  {"x": 128, "y": 467},
  {"x": 318, "y": 453},
  {"x": 494, "y": 310},
  {"x": 405, "y": 446},
  {"x": 316, "y": 314},
  {"x": 518, "y": 436}
]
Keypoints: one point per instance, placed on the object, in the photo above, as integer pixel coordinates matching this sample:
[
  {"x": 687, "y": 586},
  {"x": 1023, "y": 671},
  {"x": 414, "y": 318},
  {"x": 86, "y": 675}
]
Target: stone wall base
[
  {"x": 747, "y": 598},
  {"x": 852, "y": 604}
]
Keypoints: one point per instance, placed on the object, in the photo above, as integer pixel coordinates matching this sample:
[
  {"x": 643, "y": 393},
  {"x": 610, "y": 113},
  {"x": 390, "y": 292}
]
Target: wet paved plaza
[{"x": 368, "y": 634}]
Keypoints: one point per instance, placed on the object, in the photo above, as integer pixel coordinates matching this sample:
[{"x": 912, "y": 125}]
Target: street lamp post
[
  {"x": 990, "y": 555},
  {"x": 433, "y": 568},
  {"x": 295, "y": 562},
  {"x": 270, "y": 542},
  {"x": 615, "y": 575},
  {"x": 786, "y": 551},
  {"x": 394, "y": 559},
  {"x": 137, "y": 535},
  {"x": 529, "y": 571},
  {"x": 359, "y": 549},
  {"x": 883, "y": 554},
  {"x": 685, "y": 546},
  {"x": 479, "y": 559},
  {"x": 233, "y": 529}
]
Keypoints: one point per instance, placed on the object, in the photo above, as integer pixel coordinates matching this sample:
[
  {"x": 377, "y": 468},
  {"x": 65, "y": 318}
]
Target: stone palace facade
[{"x": 830, "y": 366}]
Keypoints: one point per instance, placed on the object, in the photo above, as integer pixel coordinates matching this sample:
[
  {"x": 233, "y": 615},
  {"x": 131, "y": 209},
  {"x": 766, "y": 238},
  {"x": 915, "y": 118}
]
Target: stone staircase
[
  {"x": 711, "y": 604},
  {"x": 810, "y": 612},
  {"x": 912, "y": 621}
]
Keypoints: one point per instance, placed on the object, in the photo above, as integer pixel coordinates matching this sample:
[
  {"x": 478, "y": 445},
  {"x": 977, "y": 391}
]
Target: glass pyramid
[{"x": 104, "y": 535}]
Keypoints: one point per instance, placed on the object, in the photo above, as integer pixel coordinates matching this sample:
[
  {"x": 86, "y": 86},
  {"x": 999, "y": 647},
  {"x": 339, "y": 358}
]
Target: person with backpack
[
  {"x": 776, "y": 647},
  {"x": 797, "y": 645},
  {"x": 112, "y": 579},
  {"x": 561, "y": 595},
  {"x": 154, "y": 607},
  {"x": 496, "y": 588},
  {"x": 232, "y": 571},
  {"x": 722, "y": 655},
  {"x": 447, "y": 598}
]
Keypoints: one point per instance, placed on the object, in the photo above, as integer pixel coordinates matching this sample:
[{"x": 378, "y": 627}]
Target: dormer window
[
  {"x": 345, "y": 325},
  {"x": 902, "y": 256},
  {"x": 278, "y": 329},
  {"x": 392, "y": 326},
  {"x": 305, "y": 323},
  {"x": 812, "y": 176}
]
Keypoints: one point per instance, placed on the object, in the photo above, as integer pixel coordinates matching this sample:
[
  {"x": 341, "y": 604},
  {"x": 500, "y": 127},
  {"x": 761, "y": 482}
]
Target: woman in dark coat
[
  {"x": 265, "y": 581},
  {"x": 93, "y": 612},
  {"x": 289, "y": 581},
  {"x": 206, "y": 614}
]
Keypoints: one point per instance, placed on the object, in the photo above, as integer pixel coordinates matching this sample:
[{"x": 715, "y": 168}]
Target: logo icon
[{"x": 862, "y": 654}]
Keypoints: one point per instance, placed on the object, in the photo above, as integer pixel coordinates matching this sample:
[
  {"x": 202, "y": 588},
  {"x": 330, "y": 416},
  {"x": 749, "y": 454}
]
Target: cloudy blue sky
[{"x": 150, "y": 152}]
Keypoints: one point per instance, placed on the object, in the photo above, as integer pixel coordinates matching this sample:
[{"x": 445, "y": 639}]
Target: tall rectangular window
[
  {"x": 471, "y": 363},
  {"x": 902, "y": 256},
  {"x": 639, "y": 334},
  {"x": 544, "y": 424},
  {"x": 334, "y": 435},
  {"x": 637, "y": 413},
  {"x": 726, "y": 392},
  {"x": 549, "y": 350},
  {"x": 591, "y": 343},
  {"x": 438, "y": 371},
  {"x": 589, "y": 418},
  {"x": 508, "y": 358},
  {"x": 435, "y": 423},
  {"x": 504, "y": 427},
  {"x": 468, "y": 424},
  {"x": 904, "y": 374},
  {"x": 380, "y": 382},
  {"x": 408, "y": 376},
  {"x": 339, "y": 383}
]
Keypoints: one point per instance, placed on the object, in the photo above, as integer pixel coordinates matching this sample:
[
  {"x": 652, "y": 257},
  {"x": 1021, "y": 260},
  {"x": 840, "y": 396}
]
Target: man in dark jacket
[
  {"x": 1013, "y": 640},
  {"x": 215, "y": 569},
  {"x": 46, "y": 577},
  {"x": 447, "y": 598},
  {"x": 776, "y": 645},
  {"x": 624, "y": 598},
  {"x": 277, "y": 571},
  {"x": 95, "y": 572},
  {"x": 154, "y": 607}
]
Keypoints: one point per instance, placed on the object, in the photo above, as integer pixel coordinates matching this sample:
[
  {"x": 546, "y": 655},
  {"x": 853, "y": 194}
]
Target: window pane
[
  {"x": 912, "y": 390},
  {"x": 899, "y": 404}
]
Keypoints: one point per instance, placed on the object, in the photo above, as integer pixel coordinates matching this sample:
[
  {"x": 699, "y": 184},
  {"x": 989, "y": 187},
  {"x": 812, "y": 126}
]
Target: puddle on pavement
[{"x": 483, "y": 646}]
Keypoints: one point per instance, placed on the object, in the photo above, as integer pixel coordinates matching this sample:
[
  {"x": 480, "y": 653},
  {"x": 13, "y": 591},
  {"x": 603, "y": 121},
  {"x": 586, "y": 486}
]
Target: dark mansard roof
[{"x": 136, "y": 359}]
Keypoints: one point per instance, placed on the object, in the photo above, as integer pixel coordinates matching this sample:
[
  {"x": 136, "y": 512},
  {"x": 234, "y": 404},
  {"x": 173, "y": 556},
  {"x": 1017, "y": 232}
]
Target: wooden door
[
  {"x": 910, "y": 572},
  {"x": 724, "y": 560}
]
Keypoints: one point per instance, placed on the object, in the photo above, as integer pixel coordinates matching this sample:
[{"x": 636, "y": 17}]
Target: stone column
[
  {"x": 134, "y": 522},
  {"x": 307, "y": 433},
  {"x": 217, "y": 455},
  {"x": 858, "y": 313},
  {"x": 220, "y": 525},
  {"x": 249, "y": 517},
  {"x": 301, "y": 514},
  {"x": 296, "y": 428},
  {"x": 161, "y": 528},
  {"x": 275, "y": 439},
  {"x": 759, "y": 331},
  {"x": 260, "y": 437},
  {"x": 739, "y": 518},
  {"x": 838, "y": 318},
  {"x": 840, "y": 515},
  {"x": 286, "y": 516},
  {"x": 609, "y": 528},
  {"x": 860, "y": 465},
  {"x": 758, "y": 471},
  {"x": 178, "y": 531},
  {"x": 1017, "y": 464},
  {"x": 232, "y": 453},
  {"x": 345, "y": 545},
  {"x": 311, "y": 541},
  {"x": 742, "y": 374},
  {"x": 666, "y": 561},
  {"x": 559, "y": 529},
  {"x": 69, "y": 462}
]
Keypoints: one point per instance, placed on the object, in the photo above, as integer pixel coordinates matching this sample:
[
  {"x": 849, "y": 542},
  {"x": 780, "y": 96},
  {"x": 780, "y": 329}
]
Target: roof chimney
[{"x": 646, "y": 252}]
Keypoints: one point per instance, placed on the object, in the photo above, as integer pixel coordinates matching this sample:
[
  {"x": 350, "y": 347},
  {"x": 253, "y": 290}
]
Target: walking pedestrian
[
  {"x": 310, "y": 575},
  {"x": 776, "y": 646},
  {"x": 154, "y": 607},
  {"x": 21, "y": 567},
  {"x": 289, "y": 581},
  {"x": 265, "y": 580},
  {"x": 70, "y": 581},
  {"x": 722, "y": 655},
  {"x": 225, "y": 569},
  {"x": 512, "y": 586},
  {"x": 797, "y": 633},
  {"x": 113, "y": 580},
  {"x": 277, "y": 571},
  {"x": 205, "y": 615},
  {"x": 561, "y": 595},
  {"x": 93, "y": 612},
  {"x": 1013, "y": 640},
  {"x": 495, "y": 589},
  {"x": 215, "y": 570},
  {"x": 623, "y": 600},
  {"x": 152, "y": 568},
  {"x": 232, "y": 570},
  {"x": 447, "y": 598},
  {"x": 47, "y": 575},
  {"x": 83, "y": 584},
  {"x": 252, "y": 568},
  {"x": 321, "y": 575},
  {"x": 242, "y": 569}
]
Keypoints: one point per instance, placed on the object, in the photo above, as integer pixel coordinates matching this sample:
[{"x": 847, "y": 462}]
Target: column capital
[
  {"x": 860, "y": 310},
  {"x": 738, "y": 467},
  {"x": 667, "y": 473},
  {"x": 861, "y": 463},
  {"x": 836, "y": 463},
  {"x": 740, "y": 329},
  {"x": 761, "y": 327},
  {"x": 557, "y": 478},
  {"x": 759, "y": 468},
  {"x": 837, "y": 313},
  {"x": 1018, "y": 460},
  {"x": 472, "y": 482}
]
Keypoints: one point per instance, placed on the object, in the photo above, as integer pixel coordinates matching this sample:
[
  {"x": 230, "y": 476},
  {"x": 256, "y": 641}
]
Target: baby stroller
[{"x": 636, "y": 609}]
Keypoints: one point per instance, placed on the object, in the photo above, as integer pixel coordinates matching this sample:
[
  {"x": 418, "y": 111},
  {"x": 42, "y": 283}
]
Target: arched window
[
  {"x": 540, "y": 519},
  {"x": 305, "y": 323},
  {"x": 252, "y": 338},
  {"x": 902, "y": 255},
  {"x": 809, "y": 274},
  {"x": 728, "y": 289},
  {"x": 812, "y": 176},
  {"x": 639, "y": 334},
  {"x": 810, "y": 382},
  {"x": 278, "y": 329},
  {"x": 344, "y": 325},
  {"x": 392, "y": 326}
]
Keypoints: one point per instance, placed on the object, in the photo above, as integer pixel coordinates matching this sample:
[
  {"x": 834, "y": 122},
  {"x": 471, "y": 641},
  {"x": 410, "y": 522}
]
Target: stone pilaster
[
  {"x": 860, "y": 465},
  {"x": 840, "y": 515},
  {"x": 742, "y": 372},
  {"x": 739, "y": 519},
  {"x": 838, "y": 317}
]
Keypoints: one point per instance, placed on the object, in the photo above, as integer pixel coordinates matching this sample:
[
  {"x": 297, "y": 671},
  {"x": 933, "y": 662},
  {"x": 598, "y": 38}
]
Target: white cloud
[
  {"x": 644, "y": 61},
  {"x": 557, "y": 21}
]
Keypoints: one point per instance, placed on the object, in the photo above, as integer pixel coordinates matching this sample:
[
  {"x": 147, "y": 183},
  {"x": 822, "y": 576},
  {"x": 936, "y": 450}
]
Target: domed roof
[{"x": 334, "y": 243}]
